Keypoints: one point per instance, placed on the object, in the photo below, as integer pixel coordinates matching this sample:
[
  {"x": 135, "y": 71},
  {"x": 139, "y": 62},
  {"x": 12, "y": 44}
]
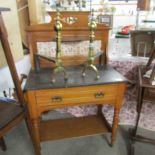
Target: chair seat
[{"x": 8, "y": 112}]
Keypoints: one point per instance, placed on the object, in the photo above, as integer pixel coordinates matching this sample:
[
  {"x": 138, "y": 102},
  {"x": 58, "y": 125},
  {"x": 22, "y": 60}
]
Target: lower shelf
[{"x": 72, "y": 127}]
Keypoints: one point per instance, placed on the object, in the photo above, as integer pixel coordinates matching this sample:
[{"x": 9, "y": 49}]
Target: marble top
[{"x": 43, "y": 79}]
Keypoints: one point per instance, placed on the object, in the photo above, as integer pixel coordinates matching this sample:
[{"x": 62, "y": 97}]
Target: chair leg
[
  {"x": 140, "y": 98},
  {"x": 133, "y": 132},
  {"x": 2, "y": 144},
  {"x": 139, "y": 107}
]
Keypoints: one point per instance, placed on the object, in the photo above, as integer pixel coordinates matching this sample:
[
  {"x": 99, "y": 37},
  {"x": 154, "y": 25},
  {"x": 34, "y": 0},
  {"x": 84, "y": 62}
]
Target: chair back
[
  {"x": 142, "y": 42},
  {"x": 9, "y": 58},
  {"x": 150, "y": 66}
]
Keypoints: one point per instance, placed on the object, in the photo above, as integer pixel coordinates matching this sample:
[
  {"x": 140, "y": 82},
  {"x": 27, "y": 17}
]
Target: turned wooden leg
[
  {"x": 99, "y": 112},
  {"x": 32, "y": 135},
  {"x": 103, "y": 117},
  {"x": 114, "y": 126},
  {"x": 2, "y": 144},
  {"x": 36, "y": 135}
]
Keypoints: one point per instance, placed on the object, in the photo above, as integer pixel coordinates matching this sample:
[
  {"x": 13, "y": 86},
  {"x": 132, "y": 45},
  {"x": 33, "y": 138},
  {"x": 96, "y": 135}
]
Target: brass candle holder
[
  {"x": 90, "y": 62},
  {"x": 59, "y": 67}
]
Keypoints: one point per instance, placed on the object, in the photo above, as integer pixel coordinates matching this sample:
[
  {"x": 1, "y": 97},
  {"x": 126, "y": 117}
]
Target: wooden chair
[
  {"x": 142, "y": 42},
  {"x": 11, "y": 111},
  {"x": 145, "y": 91}
]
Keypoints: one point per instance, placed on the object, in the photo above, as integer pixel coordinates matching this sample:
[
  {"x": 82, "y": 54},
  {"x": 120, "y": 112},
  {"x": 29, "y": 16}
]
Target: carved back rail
[{"x": 75, "y": 28}]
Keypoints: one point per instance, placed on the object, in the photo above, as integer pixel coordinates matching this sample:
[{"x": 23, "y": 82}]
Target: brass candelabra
[
  {"x": 90, "y": 62},
  {"x": 59, "y": 67}
]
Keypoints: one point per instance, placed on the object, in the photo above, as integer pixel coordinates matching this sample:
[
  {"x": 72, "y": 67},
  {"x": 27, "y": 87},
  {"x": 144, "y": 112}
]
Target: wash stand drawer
[{"x": 75, "y": 95}]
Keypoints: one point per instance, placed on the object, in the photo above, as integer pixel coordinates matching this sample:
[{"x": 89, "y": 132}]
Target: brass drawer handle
[
  {"x": 56, "y": 98},
  {"x": 99, "y": 94}
]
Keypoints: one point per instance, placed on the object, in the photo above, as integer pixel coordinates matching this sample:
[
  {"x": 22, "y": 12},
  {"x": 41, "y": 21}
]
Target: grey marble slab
[{"x": 43, "y": 79}]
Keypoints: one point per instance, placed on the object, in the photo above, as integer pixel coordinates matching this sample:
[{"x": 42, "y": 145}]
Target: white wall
[
  {"x": 22, "y": 66},
  {"x": 11, "y": 22}
]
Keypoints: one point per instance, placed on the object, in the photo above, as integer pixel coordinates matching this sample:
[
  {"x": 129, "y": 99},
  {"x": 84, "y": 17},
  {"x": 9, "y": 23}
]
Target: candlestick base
[
  {"x": 92, "y": 67},
  {"x": 59, "y": 69}
]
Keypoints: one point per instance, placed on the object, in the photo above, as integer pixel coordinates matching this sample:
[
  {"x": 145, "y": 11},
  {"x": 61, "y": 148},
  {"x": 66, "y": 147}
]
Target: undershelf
[{"x": 72, "y": 127}]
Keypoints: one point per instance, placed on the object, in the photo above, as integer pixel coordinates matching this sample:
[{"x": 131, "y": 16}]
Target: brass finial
[
  {"x": 59, "y": 67},
  {"x": 90, "y": 62}
]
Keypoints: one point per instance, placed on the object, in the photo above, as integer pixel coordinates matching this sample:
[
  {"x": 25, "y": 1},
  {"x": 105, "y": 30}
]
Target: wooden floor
[{"x": 72, "y": 127}]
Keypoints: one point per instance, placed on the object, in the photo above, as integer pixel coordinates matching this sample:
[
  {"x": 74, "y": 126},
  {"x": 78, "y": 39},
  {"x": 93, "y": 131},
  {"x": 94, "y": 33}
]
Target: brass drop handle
[
  {"x": 56, "y": 98},
  {"x": 99, "y": 94}
]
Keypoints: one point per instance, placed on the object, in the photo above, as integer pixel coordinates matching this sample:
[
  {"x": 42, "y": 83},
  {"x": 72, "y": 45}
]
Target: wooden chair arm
[{"x": 23, "y": 76}]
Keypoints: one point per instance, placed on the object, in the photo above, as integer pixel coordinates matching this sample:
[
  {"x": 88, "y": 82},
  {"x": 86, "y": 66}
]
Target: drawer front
[{"x": 89, "y": 94}]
